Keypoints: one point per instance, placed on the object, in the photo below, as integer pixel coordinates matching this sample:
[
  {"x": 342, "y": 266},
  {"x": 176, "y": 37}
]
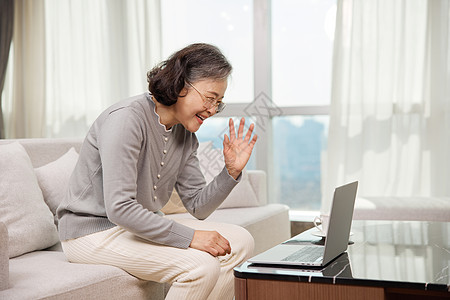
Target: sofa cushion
[
  {"x": 403, "y": 208},
  {"x": 53, "y": 178},
  {"x": 22, "y": 207},
  {"x": 174, "y": 206},
  {"x": 243, "y": 194},
  {"x": 4, "y": 258},
  {"x": 48, "y": 275},
  {"x": 211, "y": 163},
  {"x": 210, "y": 159}
]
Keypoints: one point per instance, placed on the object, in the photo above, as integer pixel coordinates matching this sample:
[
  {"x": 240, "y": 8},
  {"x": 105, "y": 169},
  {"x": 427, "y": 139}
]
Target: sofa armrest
[
  {"x": 258, "y": 182},
  {"x": 4, "y": 257}
]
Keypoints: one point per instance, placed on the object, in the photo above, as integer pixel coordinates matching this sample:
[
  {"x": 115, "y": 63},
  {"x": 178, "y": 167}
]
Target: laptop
[
  {"x": 340, "y": 268},
  {"x": 336, "y": 241}
]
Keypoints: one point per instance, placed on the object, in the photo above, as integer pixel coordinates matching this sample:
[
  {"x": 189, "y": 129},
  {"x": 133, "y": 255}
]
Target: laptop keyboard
[{"x": 305, "y": 254}]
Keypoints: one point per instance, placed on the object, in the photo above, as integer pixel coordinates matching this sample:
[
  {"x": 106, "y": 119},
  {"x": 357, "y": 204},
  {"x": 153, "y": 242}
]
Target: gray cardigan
[{"x": 126, "y": 171}]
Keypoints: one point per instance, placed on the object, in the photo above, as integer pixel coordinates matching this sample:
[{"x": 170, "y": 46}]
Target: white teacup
[{"x": 321, "y": 223}]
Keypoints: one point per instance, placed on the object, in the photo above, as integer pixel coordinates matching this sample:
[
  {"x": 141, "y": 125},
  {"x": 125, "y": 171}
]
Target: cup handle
[{"x": 317, "y": 219}]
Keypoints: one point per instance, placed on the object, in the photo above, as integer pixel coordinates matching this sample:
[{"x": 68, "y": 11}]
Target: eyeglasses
[{"x": 210, "y": 102}]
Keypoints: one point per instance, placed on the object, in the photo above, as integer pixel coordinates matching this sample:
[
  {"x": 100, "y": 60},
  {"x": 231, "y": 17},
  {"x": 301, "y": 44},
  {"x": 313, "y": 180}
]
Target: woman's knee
[
  {"x": 210, "y": 270},
  {"x": 204, "y": 267},
  {"x": 243, "y": 241},
  {"x": 198, "y": 279}
]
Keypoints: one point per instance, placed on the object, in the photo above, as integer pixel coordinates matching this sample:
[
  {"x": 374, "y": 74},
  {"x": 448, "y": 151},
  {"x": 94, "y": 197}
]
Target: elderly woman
[{"x": 134, "y": 155}]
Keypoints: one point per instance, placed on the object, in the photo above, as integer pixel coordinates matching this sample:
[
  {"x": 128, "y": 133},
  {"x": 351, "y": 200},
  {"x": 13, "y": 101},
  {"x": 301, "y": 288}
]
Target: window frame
[{"x": 263, "y": 84}]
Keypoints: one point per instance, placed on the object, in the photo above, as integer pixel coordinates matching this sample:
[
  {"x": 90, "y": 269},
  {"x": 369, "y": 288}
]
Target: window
[
  {"x": 227, "y": 25},
  {"x": 302, "y": 45},
  {"x": 291, "y": 40},
  {"x": 297, "y": 151}
]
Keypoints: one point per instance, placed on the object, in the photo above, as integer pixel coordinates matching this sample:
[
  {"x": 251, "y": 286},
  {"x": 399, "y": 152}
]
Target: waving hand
[{"x": 237, "y": 150}]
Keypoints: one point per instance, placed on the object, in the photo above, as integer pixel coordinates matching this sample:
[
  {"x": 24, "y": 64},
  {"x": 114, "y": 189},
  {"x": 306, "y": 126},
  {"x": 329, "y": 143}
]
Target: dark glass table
[{"x": 385, "y": 260}]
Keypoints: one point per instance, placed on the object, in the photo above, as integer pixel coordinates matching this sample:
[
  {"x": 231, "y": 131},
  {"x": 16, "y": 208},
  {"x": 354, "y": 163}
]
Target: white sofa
[
  {"x": 32, "y": 265},
  {"x": 403, "y": 208}
]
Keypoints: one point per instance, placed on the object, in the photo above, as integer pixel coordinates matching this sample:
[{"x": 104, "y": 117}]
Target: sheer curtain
[
  {"x": 90, "y": 55},
  {"x": 390, "y": 109},
  {"x": 26, "y": 99},
  {"x": 6, "y": 31}
]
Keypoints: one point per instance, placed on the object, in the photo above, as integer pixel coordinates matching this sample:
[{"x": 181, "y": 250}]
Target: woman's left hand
[{"x": 237, "y": 151}]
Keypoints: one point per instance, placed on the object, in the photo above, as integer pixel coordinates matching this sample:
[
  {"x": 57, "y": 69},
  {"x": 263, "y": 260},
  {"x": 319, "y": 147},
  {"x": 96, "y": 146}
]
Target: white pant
[{"x": 194, "y": 274}]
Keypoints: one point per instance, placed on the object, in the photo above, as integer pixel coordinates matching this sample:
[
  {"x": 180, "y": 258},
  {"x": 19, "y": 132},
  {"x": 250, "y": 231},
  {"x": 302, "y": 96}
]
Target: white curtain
[
  {"x": 25, "y": 100},
  {"x": 390, "y": 108},
  {"x": 90, "y": 54}
]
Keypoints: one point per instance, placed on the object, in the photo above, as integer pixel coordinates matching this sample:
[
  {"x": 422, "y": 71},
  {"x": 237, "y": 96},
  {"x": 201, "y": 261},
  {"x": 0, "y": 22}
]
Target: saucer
[
  {"x": 321, "y": 234},
  {"x": 318, "y": 233}
]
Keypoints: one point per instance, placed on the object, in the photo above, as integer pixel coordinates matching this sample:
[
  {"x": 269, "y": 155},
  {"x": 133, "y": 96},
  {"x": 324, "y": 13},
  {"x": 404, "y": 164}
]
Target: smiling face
[{"x": 190, "y": 109}]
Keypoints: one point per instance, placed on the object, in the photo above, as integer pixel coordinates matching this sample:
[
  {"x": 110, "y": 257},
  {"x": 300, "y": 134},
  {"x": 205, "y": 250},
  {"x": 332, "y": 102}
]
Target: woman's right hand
[{"x": 211, "y": 242}]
